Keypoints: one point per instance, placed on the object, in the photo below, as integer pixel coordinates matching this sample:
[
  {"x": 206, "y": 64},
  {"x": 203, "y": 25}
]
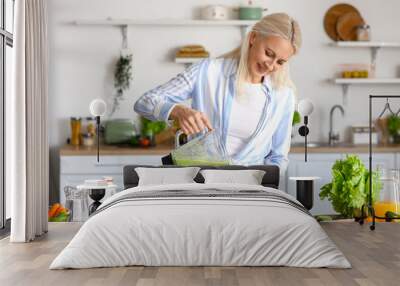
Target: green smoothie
[{"x": 198, "y": 162}]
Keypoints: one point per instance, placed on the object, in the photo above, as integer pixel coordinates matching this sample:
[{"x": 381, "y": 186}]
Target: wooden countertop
[{"x": 69, "y": 150}]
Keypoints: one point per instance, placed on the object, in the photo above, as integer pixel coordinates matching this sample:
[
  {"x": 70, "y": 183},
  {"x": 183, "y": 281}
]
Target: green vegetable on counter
[
  {"x": 349, "y": 188},
  {"x": 393, "y": 124},
  {"x": 152, "y": 127}
]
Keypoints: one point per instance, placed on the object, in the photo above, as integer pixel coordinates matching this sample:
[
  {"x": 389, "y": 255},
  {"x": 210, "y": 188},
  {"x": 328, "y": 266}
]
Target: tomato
[{"x": 144, "y": 142}]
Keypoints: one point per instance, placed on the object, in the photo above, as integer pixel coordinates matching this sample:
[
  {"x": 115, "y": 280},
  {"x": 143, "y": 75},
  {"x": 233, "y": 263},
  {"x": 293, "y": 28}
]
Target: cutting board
[{"x": 331, "y": 17}]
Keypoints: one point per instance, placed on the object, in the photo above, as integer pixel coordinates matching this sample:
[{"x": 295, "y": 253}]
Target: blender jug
[{"x": 205, "y": 150}]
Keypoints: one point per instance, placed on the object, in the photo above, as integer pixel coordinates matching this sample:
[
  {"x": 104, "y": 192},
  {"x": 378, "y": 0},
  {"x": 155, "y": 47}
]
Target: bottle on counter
[
  {"x": 90, "y": 125},
  {"x": 75, "y": 130}
]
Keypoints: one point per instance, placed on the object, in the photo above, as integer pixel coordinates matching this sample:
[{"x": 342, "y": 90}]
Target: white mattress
[{"x": 183, "y": 231}]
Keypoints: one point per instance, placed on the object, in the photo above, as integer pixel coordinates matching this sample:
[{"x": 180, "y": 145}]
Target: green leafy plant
[
  {"x": 122, "y": 79},
  {"x": 152, "y": 127},
  {"x": 349, "y": 188},
  {"x": 394, "y": 125},
  {"x": 296, "y": 118}
]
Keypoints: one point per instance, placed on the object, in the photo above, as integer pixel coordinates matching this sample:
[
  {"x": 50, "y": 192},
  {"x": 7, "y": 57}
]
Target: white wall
[{"x": 82, "y": 57}]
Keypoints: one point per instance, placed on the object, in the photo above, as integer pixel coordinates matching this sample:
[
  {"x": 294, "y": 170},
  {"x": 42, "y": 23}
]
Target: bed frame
[{"x": 270, "y": 179}]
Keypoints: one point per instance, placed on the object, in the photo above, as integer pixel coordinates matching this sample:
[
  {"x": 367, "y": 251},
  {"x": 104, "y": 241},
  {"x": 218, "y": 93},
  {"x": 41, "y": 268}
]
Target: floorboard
[{"x": 375, "y": 257}]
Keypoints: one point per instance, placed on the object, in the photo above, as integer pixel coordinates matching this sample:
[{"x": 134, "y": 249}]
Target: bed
[{"x": 198, "y": 224}]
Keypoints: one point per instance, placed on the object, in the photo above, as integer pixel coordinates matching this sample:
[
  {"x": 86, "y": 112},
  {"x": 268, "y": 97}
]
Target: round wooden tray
[
  {"x": 331, "y": 17},
  {"x": 346, "y": 26}
]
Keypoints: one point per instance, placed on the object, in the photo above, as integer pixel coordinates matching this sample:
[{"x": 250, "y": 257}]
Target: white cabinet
[
  {"x": 385, "y": 160},
  {"x": 75, "y": 169},
  {"x": 320, "y": 165}
]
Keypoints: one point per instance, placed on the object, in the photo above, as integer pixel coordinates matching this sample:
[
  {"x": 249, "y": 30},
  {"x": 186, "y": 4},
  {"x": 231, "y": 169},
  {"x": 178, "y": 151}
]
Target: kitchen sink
[{"x": 316, "y": 144}]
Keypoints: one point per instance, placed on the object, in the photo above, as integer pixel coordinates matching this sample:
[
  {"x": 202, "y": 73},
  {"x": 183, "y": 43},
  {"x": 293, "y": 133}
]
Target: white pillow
[
  {"x": 249, "y": 177},
  {"x": 165, "y": 176}
]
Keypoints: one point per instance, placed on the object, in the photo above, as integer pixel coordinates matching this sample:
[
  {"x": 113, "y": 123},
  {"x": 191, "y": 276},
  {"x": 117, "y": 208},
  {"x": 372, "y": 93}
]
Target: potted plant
[
  {"x": 349, "y": 189},
  {"x": 393, "y": 124},
  {"x": 122, "y": 79}
]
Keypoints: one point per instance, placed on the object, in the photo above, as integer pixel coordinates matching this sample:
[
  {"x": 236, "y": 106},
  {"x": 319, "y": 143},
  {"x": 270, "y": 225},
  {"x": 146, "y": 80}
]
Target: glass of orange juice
[{"x": 389, "y": 198}]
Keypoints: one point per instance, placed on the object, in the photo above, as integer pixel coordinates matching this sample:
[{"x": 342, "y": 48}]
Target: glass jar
[
  {"x": 363, "y": 33},
  {"x": 90, "y": 125},
  {"x": 88, "y": 139},
  {"x": 77, "y": 203},
  {"x": 75, "y": 130}
]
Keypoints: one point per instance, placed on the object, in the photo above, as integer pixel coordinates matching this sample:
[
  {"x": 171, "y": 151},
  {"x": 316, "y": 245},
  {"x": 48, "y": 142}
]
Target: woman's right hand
[{"x": 190, "y": 121}]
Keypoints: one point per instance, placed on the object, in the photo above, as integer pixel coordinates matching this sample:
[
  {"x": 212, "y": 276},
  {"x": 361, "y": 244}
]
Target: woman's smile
[{"x": 262, "y": 69}]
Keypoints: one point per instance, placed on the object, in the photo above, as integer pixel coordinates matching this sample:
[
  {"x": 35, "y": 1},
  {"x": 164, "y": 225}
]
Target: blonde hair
[{"x": 277, "y": 24}]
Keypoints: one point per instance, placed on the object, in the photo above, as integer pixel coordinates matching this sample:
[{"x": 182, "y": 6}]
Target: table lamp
[
  {"x": 98, "y": 108},
  {"x": 305, "y": 185}
]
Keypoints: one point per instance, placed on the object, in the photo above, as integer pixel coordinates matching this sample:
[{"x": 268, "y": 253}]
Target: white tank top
[{"x": 245, "y": 114}]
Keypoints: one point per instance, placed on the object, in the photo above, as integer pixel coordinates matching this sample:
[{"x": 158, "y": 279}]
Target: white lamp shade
[
  {"x": 305, "y": 107},
  {"x": 98, "y": 107}
]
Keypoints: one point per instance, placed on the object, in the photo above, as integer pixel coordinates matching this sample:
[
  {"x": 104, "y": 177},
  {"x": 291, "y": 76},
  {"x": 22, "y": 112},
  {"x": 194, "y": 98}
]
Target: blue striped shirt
[{"x": 210, "y": 84}]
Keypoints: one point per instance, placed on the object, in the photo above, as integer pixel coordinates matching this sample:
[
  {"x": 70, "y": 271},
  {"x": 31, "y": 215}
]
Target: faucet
[{"x": 333, "y": 137}]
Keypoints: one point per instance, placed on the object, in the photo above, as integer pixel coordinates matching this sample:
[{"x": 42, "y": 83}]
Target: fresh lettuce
[{"x": 349, "y": 188}]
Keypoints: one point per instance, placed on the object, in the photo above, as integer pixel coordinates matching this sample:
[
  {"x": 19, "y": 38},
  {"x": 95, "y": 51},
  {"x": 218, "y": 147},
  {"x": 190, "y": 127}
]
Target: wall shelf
[
  {"x": 346, "y": 82},
  {"x": 124, "y": 23},
  {"x": 375, "y": 46},
  {"x": 188, "y": 60},
  {"x": 366, "y": 44},
  {"x": 164, "y": 22},
  {"x": 367, "y": 81}
]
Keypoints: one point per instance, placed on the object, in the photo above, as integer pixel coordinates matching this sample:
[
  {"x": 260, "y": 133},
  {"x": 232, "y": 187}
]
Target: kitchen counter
[
  {"x": 69, "y": 150},
  {"x": 347, "y": 149}
]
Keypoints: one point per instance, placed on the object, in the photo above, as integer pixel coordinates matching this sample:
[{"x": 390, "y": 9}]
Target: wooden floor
[{"x": 375, "y": 257}]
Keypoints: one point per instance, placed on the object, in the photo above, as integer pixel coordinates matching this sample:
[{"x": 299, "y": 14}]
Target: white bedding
[{"x": 183, "y": 231}]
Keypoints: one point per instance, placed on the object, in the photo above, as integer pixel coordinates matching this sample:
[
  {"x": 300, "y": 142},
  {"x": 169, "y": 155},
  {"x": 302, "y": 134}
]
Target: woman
[{"x": 247, "y": 95}]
